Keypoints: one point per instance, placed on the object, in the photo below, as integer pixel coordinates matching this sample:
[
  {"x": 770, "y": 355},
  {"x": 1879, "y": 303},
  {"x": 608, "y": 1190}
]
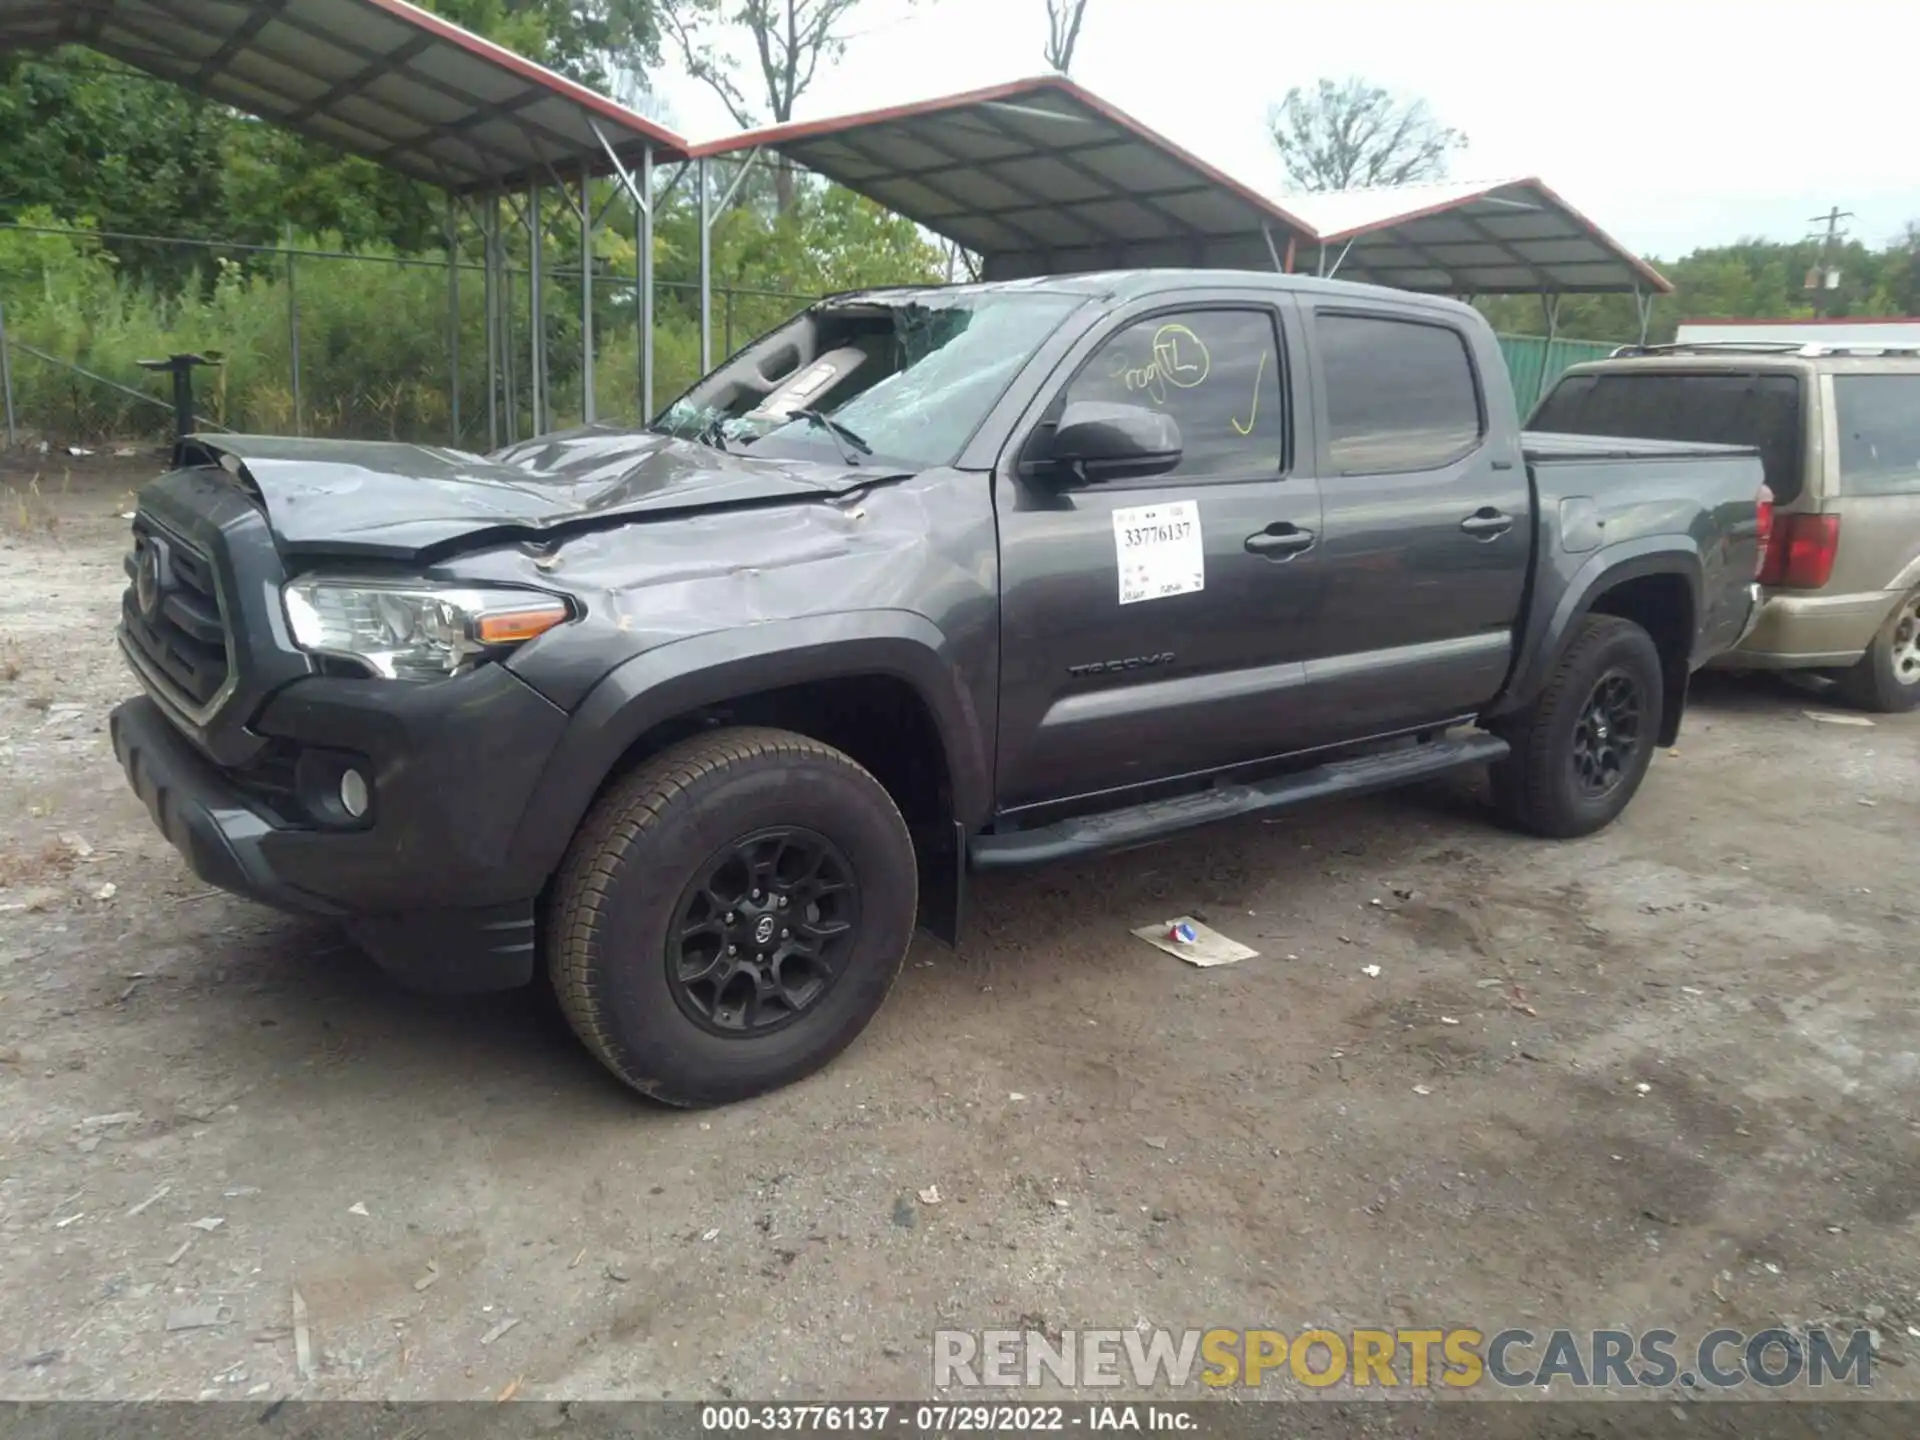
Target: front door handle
[
  {"x": 1281, "y": 540},
  {"x": 1486, "y": 523}
]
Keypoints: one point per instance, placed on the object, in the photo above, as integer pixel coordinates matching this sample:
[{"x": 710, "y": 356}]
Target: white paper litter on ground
[
  {"x": 1827, "y": 717},
  {"x": 1209, "y": 947}
]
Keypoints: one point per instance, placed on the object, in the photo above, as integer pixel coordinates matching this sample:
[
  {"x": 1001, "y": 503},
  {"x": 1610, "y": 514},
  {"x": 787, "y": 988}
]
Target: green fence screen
[{"x": 1535, "y": 362}]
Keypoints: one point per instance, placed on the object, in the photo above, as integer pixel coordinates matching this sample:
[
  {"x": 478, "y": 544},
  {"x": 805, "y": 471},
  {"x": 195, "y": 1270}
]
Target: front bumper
[
  {"x": 428, "y": 880},
  {"x": 1792, "y": 632}
]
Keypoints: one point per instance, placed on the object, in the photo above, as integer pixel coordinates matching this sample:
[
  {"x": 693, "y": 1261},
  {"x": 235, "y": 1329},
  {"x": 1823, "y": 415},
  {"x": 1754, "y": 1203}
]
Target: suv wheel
[
  {"x": 1581, "y": 749},
  {"x": 731, "y": 915},
  {"x": 1887, "y": 677}
]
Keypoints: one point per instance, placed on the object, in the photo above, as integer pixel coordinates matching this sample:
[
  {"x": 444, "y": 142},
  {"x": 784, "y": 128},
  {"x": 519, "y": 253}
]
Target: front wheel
[
  {"x": 1581, "y": 749},
  {"x": 1887, "y": 677},
  {"x": 731, "y": 915}
]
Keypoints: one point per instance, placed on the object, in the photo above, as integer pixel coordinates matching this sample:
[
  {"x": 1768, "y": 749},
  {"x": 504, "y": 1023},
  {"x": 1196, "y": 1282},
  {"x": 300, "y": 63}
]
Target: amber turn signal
[{"x": 510, "y": 627}]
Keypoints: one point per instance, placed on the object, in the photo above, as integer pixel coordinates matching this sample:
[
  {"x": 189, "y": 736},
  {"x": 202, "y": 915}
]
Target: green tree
[
  {"x": 81, "y": 137},
  {"x": 586, "y": 40}
]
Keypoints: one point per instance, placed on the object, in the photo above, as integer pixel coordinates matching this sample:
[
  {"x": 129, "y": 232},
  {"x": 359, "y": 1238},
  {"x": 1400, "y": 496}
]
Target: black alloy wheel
[
  {"x": 730, "y": 915},
  {"x": 762, "y": 931},
  {"x": 1582, "y": 746},
  {"x": 1607, "y": 734}
]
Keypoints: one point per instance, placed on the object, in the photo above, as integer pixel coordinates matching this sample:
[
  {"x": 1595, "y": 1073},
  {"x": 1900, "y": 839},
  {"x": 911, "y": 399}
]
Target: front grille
[{"x": 173, "y": 617}]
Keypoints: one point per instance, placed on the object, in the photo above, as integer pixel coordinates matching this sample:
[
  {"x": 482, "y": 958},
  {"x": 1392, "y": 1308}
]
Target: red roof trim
[
  {"x": 1439, "y": 208},
  {"x": 778, "y": 135},
  {"x": 1652, "y": 276},
  {"x": 1659, "y": 282},
  {"x": 1913, "y": 320},
  {"x": 481, "y": 48}
]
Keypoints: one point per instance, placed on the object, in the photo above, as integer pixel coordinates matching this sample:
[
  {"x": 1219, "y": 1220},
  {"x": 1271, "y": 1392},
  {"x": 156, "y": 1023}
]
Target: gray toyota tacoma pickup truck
[{"x": 704, "y": 718}]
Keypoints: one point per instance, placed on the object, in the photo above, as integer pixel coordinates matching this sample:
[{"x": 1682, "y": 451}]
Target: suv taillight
[
  {"x": 1800, "y": 554},
  {"x": 1763, "y": 514}
]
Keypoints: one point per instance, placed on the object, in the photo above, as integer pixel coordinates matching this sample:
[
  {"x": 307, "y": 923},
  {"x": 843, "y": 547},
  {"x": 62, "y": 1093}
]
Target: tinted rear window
[
  {"x": 1758, "y": 410},
  {"x": 1401, "y": 394},
  {"x": 1879, "y": 418}
]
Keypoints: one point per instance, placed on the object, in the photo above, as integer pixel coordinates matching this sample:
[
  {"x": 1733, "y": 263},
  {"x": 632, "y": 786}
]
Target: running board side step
[{"x": 1085, "y": 834}]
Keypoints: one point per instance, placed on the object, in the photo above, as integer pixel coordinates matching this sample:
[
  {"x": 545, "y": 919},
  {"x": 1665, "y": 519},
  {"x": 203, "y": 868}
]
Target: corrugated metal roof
[
  {"x": 379, "y": 78},
  {"x": 1487, "y": 237},
  {"x": 1039, "y": 176}
]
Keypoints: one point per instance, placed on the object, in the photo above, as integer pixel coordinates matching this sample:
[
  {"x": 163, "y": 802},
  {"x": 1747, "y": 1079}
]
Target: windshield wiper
[
  {"x": 714, "y": 433},
  {"x": 845, "y": 441}
]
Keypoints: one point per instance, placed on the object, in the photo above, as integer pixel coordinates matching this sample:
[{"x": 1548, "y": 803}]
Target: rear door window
[
  {"x": 1401, "y": 394},
  {"x": 1760, "y": 410},
  {"x": 1879, "y": 420}
]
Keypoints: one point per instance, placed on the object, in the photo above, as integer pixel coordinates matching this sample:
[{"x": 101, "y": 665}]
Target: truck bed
[{"x": 1600, "y": 497}]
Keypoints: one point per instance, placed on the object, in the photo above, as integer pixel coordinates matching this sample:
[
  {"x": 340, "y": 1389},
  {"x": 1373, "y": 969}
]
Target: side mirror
[{"x": 1097, "y": 441}]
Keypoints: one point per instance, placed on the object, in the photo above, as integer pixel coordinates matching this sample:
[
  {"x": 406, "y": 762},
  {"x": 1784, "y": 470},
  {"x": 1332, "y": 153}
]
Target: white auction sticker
[{"x": 1160, "y": 550}]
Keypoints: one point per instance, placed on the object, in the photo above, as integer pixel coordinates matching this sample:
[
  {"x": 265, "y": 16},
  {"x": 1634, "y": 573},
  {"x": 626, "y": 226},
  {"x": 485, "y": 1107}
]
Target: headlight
[{"x": 415, "y": 631}]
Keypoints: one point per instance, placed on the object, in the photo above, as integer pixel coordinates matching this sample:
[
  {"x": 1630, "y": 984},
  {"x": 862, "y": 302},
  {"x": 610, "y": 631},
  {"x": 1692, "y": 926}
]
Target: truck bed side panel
[{"x": 1619, "y": 510}]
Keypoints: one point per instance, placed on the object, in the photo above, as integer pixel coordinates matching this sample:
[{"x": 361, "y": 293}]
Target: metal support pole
[
  {"x": 703, "y": 179},
  {"x": 293, "y": 338},
  {"x": 1644, "y": 304},
  {"x": 510, "y": 380},
  {"x": 1273, "y": 251},
  {"x": 588, "y": 407},
  {"x": 490, "y": 249},
  {"x": 453, "y": 315},
  {"x": 644, "y": 275},
  {"x": 6, "y": 379},
  {"x": 536, "y": 318},
  {"x": 1550, "y": 307}
]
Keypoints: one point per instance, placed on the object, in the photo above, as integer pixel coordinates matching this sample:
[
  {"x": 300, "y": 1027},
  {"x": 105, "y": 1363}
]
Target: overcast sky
[{"x": 1672, "y": 125}]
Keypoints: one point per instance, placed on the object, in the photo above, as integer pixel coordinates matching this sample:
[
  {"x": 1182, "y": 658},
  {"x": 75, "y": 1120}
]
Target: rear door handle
[
  {"x": 1281, "y": 540},
  {"x": 1486, "y": 523}
]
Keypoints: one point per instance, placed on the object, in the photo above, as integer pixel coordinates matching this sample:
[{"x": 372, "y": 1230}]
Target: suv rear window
[
  {"x": 1879, "y": 419},
  {"x": 1724, "y": 409}
]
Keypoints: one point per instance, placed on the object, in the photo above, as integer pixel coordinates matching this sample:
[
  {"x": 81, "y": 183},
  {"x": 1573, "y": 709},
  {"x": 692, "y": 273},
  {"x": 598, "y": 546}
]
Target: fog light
[{"x": 353, "y": 793}]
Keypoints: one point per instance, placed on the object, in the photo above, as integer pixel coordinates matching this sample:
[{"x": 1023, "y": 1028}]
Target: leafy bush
[{"x": 373, "y": 349}]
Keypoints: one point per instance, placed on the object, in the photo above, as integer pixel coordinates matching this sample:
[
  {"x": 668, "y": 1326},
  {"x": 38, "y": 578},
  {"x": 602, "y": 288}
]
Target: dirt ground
[{"x": 1665, "y": 1076}]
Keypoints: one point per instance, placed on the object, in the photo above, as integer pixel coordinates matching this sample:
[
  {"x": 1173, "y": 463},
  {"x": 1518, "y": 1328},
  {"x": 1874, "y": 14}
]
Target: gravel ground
[{"x": 1664, "y": 1076}]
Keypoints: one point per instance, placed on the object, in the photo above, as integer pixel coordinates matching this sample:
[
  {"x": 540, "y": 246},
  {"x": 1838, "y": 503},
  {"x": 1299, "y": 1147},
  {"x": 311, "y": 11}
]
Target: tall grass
[{"x": 373, "y": 351}]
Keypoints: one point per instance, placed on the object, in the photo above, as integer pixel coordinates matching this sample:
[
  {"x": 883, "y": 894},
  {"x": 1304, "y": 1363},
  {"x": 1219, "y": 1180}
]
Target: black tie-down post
[{"x": 181, "y": 367}]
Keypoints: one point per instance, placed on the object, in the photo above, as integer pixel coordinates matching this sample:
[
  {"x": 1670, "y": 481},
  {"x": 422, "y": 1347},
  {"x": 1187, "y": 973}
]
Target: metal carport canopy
[
  {"x": 377, "y": 78},
  {"x": 1037, "y": 177},
  {"x": 1489, "y": 237}
]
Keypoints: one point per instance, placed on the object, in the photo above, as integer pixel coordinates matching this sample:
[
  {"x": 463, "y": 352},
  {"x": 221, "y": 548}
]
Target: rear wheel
[
  {"x": 1887, "y": 677},
  {"x": 1581, "y": 749},
  {"x": 731, "y": 915}
]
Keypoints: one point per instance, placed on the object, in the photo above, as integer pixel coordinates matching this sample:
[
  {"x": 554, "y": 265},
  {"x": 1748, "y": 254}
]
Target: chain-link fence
[{"x": 318, "y": 341}]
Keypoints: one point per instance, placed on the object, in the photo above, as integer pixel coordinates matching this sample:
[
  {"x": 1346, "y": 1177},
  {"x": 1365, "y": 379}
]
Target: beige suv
[{"x": 1838, "y": 428}]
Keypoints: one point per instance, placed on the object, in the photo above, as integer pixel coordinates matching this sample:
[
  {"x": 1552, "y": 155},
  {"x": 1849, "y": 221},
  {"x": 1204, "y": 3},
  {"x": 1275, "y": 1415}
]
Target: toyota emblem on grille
[{"x": 149, "y": 582}]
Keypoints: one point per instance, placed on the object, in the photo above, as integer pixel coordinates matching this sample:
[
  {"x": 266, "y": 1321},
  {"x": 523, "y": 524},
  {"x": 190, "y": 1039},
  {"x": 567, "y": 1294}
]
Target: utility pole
[{"x": 1824, "y": 278}]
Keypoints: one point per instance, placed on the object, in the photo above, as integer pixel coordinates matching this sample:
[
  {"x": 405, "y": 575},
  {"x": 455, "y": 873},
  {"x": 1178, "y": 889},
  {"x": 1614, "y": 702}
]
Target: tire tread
[
  {"x": 618, "y": 821},
  {"x": 1525, "y": 783}
]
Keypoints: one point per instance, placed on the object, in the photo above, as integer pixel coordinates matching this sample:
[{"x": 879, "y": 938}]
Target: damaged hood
[{"x": 383, "y": 499}]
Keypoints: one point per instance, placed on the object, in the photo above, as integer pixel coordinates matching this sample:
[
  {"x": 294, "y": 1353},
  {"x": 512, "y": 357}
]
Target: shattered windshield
[{"x": 872, "y": 381}]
